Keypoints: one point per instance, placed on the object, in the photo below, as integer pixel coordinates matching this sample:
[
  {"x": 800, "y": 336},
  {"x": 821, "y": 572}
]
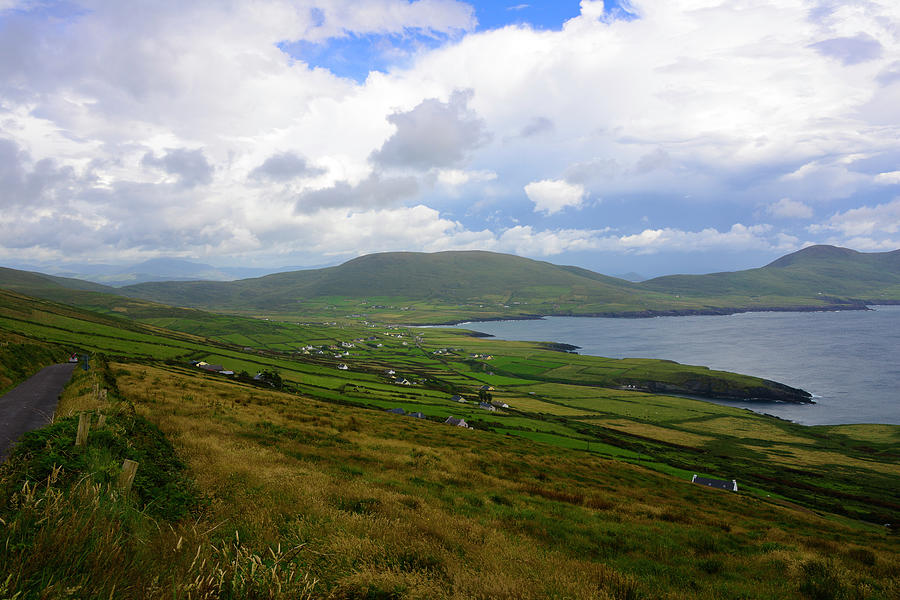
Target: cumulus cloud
[
  {"x": 373, "y": 192},
  {"x": 190, "y": 166},
  {"x": 870, "y": 222},
  {"x": 524, "y": 239},
  {"x": 24, "y": 182},
  {"x": 284, "y": 166},
  {"x": 739, "y": 237},
  {"x": 114, "y": 119},
  {"x": 433, "y": 134},
  {"x": 553, "y": 195},
  {"x": 789, "y": 209}
]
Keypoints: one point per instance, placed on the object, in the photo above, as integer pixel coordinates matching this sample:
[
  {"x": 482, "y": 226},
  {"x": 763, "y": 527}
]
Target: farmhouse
[
  {"x": 396, "y": 411},
  {"x": 487, "y": 406},
  {"x": 417, "y": 415},
  {"x": 458, "y": 398},
  {"x": 456, "y": 422},
  {"x": 716, "y": 483}
]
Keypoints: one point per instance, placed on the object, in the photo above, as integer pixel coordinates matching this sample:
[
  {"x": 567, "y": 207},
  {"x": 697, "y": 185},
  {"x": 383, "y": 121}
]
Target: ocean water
[{"x": 848, "y": 360}]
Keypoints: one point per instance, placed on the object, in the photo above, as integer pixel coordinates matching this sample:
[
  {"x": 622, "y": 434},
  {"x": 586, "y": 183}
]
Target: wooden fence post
[
  {"x": 101, "y": 421},
  {"x": 84, "y": 425},
  {"x": 126, "y": 478}
]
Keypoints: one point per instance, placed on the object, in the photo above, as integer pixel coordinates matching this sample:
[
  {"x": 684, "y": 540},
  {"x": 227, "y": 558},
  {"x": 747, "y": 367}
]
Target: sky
[{"x": 648, "y": 136}]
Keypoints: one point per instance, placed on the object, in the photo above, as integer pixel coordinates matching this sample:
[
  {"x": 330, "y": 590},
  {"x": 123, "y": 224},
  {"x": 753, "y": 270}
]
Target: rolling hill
[
  {"x": 312, "y": 489},
  {"x": 502, "y": 285},
  {"x": 438, "y": 278},
  {"x": 816, "y": 271},
  {"x": 443, "y": 287}
]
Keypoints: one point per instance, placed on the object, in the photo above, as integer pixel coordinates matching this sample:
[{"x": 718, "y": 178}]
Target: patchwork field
[{"x": 304, "y": 486}]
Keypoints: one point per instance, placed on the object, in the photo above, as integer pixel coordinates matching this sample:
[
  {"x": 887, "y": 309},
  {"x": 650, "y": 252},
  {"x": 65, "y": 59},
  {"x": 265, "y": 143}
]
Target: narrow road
[{"x": 31, "y": 404}]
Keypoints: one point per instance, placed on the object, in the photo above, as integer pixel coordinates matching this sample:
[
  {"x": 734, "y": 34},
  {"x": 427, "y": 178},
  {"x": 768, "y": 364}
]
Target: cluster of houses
[
  {"x": 401, "y": 412},
  {"x": 392, "y": 374},
  {"x": 484, "y": 404},
  {"x": 452, "y": 421},
  {"x": 220, "y": 369}
]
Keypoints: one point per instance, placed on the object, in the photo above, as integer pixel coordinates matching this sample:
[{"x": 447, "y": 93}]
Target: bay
[{"x": 848, "y": 360}]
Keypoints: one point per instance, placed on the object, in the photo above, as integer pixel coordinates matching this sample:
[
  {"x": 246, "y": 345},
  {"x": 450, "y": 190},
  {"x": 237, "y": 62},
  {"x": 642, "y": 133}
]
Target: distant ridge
[
  {"x": 814, "y": 272},
  {"x": 472, "y": 285},
  {"x": 455, "y": 276}
]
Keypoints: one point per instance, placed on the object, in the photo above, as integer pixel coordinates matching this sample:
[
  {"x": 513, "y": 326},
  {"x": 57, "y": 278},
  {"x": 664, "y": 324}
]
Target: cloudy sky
[{"x": 653, "y": 136}]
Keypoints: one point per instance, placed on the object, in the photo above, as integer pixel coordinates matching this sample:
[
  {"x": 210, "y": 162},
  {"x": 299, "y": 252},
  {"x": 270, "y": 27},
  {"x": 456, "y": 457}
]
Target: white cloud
[
  {"x": 739, "y": 237},
  {"x": 789, "y": 209},
  {"x": 553, "y": 195},
  {"x": 457, "y": 177},
  {"x": 889, "y": 178},
  {"x": 864, "y": 222},
  {"x": 706, "y": 98},
  {"x": 523, "y": 239},
  {"x": 433, "y": 134}
]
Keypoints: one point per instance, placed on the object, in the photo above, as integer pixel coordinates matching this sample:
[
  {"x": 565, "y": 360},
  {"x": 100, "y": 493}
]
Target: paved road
[{"x": 31, "y": 404}]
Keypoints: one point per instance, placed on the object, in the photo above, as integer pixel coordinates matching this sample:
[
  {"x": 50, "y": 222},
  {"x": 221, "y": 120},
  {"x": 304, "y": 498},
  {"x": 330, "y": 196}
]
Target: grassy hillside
[
  {"x": 444, "y": 287},
  {"x": 453, "y": 286},
  {"x": 28, "y": 281},
  {"x": 577, "y": 490},
  {"x": 446, "y": 279},
  {"x": 563, "y": 399},
  {"x": 296, "y": 498},
  {"x": 815, "y": 272}
]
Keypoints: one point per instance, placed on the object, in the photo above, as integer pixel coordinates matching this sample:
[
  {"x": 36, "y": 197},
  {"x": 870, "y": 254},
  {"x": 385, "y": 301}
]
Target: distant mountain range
[
  {"x": 452, "y": 286},
  {"x": 158, "y": 269}
]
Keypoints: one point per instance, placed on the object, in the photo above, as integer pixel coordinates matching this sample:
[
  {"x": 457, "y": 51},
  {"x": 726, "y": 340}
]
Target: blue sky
[
  {"x": 355, "y": 55},
  {"x": 655, "y": 136}
]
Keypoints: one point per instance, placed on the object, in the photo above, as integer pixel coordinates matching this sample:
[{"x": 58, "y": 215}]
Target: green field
[{"x": 576, "y": 475}]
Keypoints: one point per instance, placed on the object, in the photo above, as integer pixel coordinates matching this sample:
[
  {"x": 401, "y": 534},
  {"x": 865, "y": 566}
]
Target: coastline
[
  {"x": 650, "y": 314},
  {"x": 842, "y": 358}
]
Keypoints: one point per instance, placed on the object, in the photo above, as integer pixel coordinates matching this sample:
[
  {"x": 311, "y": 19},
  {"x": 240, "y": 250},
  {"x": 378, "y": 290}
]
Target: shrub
[{"x": 820, "y": 580}]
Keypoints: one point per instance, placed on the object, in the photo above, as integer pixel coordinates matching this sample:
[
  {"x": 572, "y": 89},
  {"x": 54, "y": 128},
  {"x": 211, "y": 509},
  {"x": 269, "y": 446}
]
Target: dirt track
[{"x": 31, "y": 404}]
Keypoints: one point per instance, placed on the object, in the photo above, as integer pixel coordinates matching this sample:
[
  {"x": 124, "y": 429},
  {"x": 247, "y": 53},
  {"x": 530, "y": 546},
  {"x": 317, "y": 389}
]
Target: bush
[{"x": 821, "y": 581}]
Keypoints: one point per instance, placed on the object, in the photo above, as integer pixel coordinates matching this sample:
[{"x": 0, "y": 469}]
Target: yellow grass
[
  {"x": 746, "y": 428},
  {"x": 529, "y": 404},
  {"x": 869, "y": 433},
  {"x": 793, "y": 456},
  {"x": 376, "y": 504},
  {"x": 665, "y": 434}
]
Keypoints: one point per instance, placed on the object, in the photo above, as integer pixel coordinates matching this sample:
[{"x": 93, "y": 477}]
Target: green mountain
[
  {"x": 814, "y": 272},
  {"x": 439, "y": 278},
  {"x": 443, "y": 287},
  {"x": 29, "y": 282},
  {"x": 465, "y": 285}
]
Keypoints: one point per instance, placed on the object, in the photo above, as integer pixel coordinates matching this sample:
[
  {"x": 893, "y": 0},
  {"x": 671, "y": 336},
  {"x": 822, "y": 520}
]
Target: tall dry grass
[{"x": 382, "y": 506}]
